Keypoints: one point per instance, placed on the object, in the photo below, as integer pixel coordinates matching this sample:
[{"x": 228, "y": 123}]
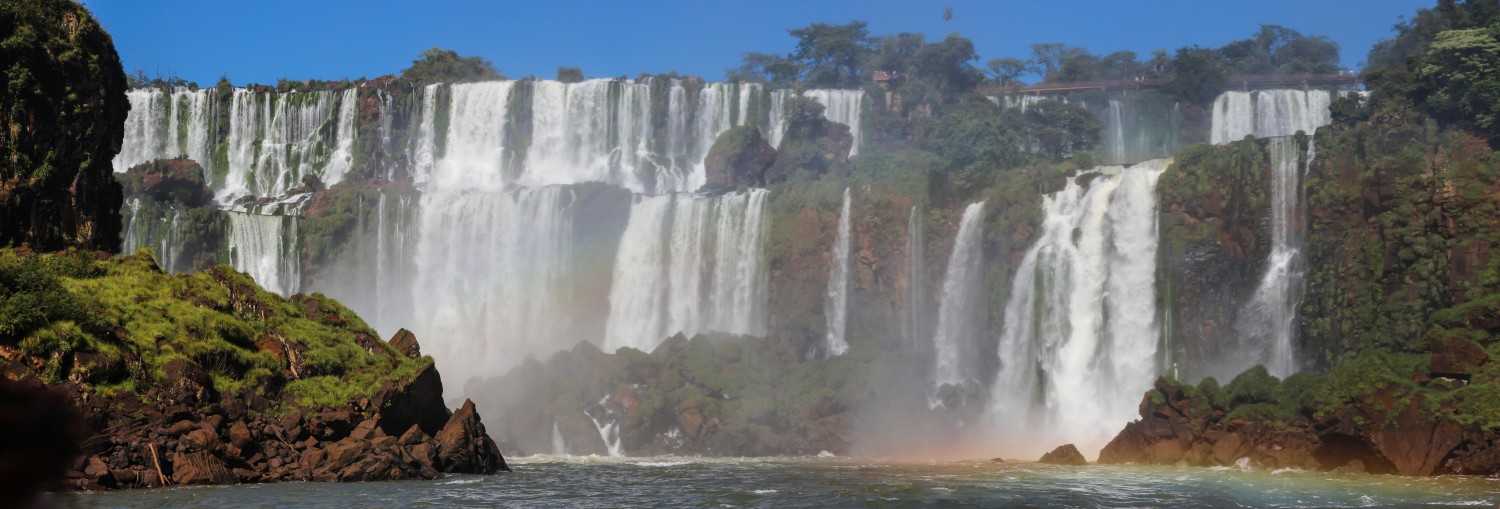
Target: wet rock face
[
  {"x": 62, "y": 118},
  {"x": 739, "y": 157},
  {"x": 1066, "y": 454},
  {"x": 1392, "y": 433},
  {"x": 168, "y": 180},
  {"x": 463, "y": 445}
]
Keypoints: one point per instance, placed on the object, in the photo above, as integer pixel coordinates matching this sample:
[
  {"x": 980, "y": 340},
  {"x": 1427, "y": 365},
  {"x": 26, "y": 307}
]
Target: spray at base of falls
[
  {"x": 492, "y": 274},
  {"x": 558, "y": 445},
  {"x": 1080, "y": 336},
  {"x": 837, "y": 312},
  {"x": 960, "y": 312}
]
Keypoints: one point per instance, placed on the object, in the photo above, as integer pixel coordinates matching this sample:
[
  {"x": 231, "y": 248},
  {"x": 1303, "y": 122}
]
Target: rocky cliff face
[
  {"x": 1214, "y": 240},
  {"x": 61, "y": 122},
  {"x": 1402, "y": 232},
  {"x": 1364, "y": 418}
]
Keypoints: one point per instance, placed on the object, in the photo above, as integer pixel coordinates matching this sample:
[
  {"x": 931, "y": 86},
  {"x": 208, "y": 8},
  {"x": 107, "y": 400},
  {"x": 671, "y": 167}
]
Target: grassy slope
[{"x": 59, "y": 310}]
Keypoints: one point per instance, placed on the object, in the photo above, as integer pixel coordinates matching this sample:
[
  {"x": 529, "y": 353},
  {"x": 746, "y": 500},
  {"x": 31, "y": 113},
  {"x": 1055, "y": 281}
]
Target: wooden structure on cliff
[{"x": 1241, "y": 82}]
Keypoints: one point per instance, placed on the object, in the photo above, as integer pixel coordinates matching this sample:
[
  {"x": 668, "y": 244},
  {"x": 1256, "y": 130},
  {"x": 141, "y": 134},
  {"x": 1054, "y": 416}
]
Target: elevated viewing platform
[{"x": 1237, "y": 82}]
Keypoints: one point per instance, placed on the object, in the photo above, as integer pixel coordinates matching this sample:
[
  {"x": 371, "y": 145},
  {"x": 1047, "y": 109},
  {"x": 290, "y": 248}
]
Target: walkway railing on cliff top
[{"x": 1242, "y": 82}]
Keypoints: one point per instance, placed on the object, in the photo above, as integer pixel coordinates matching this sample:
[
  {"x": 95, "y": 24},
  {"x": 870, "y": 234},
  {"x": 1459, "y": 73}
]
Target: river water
[{"x": 565, "y": 481}]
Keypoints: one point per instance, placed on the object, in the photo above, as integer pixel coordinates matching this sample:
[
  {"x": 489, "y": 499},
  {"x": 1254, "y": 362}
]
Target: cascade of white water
[
  {"x": 748, "y": 93},
  {"x": 474, "y": 155},
  {"x": 960, "y": 312},
  {"x": 1081, "y": 329},
  {"x": 1116, "y": 126},
  {"x": 1269, "y": 113},
  {"x": 837, "y": 314},
  {"x": 570, "y": 133},
  {"x": 688, "y": 264},
  {"x": 277, "y": 139},
  {"x": 424, "y": 149},
  {"x": 842, "y": 106},
  {"x": 916, "y": 279},
  {"x": 492, "y": 273},
  {"x": 776, "y": 123},
  {"x": 265, "y": 248},
  {"x": 738, "y": 287},
  {"x": 342, "y": 158},
  {"x": 1267, "y": 325},
  {"x": 164, "y": 125},
  {"x": 490, "y": 241},
  {"x": 558, "y": 445},
  {"x": 845, "y": 107},
  {"x": 607, "y": 423}
]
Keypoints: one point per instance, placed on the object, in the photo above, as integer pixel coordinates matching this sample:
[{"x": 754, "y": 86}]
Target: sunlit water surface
[{"x": 567, "y": 481}]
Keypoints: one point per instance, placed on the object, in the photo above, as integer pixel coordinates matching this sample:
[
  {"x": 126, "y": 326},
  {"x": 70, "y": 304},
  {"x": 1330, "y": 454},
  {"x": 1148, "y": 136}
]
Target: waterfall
[
  {"x": 834, "y": 343},
  {"x": 916, "y": 279},
  {"x": 842, "y": 106},
  {"x": 342, "y": 159},
  {"x": 596, "y": 130},
  {"x": 492, "y": 277},
  {"x": 558, "y": 445},
  {"x": 608, "y": 425},
  {"x": 961, "y": 310},
  {"x": 1269, "y": 113},
  {"x": 776, "y": 123},
  {"x": 265, "y": 248},
  {"x": 845, "y": 107},
  {"x": 149, "y": 228},
  {"x": 275, "y": 140},
  {"x": 514, "y": 218},
  {"x": 1116, "y": 126},
  {"x": 424, "y": 153},
  {"x": 1080, "y": 335},
  {"x": 475, "y": 149},
  {"x": 165, "y": 125},
  {"x": 688, "y": 264},
  {"x": 1266, "y": 325}
]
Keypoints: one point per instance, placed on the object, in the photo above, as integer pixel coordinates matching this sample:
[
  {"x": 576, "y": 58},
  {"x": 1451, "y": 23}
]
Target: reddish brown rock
[
  {"x": 1456, "y": 357},
  {"x": 200, "y": 468},
  {"x": 1066, "y": 454},
  {"x": 463, "y": 446},
  {"x": 405, "y": 343}
]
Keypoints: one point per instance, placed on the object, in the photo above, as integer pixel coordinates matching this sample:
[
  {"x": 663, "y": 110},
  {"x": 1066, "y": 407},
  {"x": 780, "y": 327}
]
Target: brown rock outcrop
[
  {"x": 463, "y": 446},
  {"x": 739, "y": 157},
  {"x": 1066, "y": 454}
]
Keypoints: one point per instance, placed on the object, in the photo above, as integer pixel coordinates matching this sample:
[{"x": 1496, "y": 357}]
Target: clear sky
[{"x": 263, "y": 40}]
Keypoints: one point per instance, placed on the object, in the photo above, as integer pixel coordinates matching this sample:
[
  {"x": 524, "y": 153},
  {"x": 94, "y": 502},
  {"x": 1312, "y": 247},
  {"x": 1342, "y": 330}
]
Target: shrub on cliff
[
  {"x": 443, "y": 65},
  {"x": 62, "y": 117}
]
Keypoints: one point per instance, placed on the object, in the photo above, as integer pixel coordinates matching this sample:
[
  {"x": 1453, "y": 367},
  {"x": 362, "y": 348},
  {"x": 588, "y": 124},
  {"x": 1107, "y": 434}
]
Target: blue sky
[{"x": 263, "y": 40}]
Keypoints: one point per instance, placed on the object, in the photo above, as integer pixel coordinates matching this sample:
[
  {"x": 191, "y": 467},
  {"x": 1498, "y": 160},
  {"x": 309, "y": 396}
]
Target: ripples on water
[{"x": 554, "y": 481}]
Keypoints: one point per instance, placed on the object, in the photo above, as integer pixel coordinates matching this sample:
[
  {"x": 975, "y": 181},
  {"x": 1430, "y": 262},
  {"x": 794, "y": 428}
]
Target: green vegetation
[
  {"x": 121, "y": 324},
  {"x": 441, "y": 65},
  {"x": 1442, "y": 61},
  {"x": 569, "y": 74}
]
